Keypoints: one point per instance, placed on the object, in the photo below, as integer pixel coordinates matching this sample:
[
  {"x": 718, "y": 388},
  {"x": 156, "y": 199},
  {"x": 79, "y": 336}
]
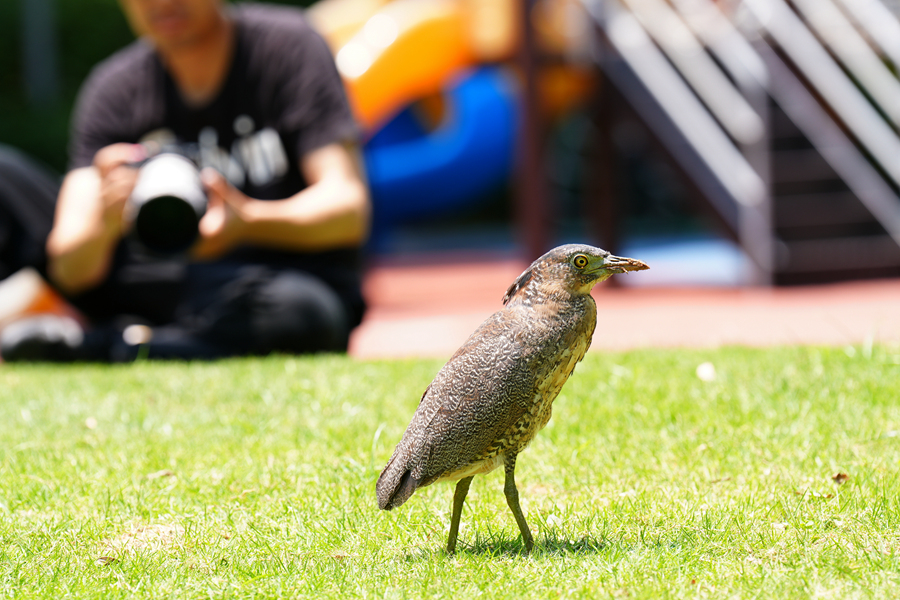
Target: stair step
[
  {"x": 834, "y": 230},
  {"x": 784, "y": 135},
  {"x": 839, "y": 255},
  {"x": 798, "y": 166},
  {"x": 780, "y": 125},
  {"x": 815, "y": 210}
]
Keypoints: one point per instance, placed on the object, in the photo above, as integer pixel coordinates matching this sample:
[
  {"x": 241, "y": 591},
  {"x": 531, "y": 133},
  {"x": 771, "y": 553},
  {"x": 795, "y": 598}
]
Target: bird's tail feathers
[{"x": 395, "y": 485}]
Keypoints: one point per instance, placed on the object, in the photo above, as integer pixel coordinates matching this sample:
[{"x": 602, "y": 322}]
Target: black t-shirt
[
  {"x": 281, "y": 99},
  {"x": 282, "y": 79}
]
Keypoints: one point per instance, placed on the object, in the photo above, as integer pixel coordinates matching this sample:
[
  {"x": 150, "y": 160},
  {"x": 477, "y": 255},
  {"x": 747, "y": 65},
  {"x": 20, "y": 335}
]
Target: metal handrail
[
  {"x": 879, "y": 23},
  {"x": 745, "y": 66},
  {"x": 758, "y": 71},
  {"x": 669, "y": 106},
  {"x": 823, "y": 73},
  {"x": 855, "y": 54},
  {"x": 682, "y": 107},
  {"x": 695, "y": 65},
  {"x": 834, "y": 146},
  {"x": 732, "y": 49},
  {"x": 773, "y": 75}
]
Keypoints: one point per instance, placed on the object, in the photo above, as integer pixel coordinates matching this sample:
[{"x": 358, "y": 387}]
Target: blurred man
[{"x": 254, "y": 91}]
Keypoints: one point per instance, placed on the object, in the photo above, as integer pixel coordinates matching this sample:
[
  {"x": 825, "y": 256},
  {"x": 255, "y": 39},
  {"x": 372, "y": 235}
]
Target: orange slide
[{"x": 404, "y": 50}]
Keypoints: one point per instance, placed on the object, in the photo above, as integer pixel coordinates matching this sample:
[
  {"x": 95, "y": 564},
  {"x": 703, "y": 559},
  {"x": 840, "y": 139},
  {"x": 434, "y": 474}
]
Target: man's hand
[
  {"x": 223, "y": 226},
  {"x": 88, "y": 223},
  {"x": 332, "y": 212},
  {"x": 117, "y": 179}
]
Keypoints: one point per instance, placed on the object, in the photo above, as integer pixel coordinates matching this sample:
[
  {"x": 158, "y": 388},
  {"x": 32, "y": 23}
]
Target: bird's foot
[{"x": 529, "y": 543}]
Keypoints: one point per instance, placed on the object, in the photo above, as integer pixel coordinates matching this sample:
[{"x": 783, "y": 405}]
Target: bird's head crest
[{"x": 573, "y": 269}]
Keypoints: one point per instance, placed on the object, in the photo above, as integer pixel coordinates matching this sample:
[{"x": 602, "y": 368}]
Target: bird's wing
[{"x": 482, "y": 391}]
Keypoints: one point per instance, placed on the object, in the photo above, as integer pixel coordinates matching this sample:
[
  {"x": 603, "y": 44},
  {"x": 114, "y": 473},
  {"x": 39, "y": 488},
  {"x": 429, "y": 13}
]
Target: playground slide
[
  {"x": 403, "y": 52},
  {"x": 415, "y": 174},
  {"x": 392, "y": 54},
  {"x": 340, "y": 20}
]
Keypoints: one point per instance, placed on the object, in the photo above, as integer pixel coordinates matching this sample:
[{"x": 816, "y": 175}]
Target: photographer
[{"x": 276, "y": 266}]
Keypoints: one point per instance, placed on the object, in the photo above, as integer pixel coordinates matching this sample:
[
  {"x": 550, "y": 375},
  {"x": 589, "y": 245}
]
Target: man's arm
[
  {"x": 332, "y": 212},
  {"x": 88, "y": 221}
]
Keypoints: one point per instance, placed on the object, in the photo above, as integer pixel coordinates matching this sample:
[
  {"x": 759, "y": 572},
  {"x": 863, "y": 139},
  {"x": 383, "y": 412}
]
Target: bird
[{"x": 495, "y": 393}]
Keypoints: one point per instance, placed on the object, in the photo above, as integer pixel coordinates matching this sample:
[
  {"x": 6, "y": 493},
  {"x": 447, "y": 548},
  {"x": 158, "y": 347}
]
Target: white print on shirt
[
  {"x": 258, "y": 156},
  {"x": 261, "y": 153},
  {"x": 211, "y": 155}
]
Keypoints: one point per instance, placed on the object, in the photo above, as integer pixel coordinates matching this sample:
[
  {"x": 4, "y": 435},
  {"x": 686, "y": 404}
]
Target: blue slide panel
[{"x": 414, "y": 174}]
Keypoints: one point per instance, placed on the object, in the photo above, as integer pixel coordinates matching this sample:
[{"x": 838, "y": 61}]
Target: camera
[{"x": 167, "y": 203}]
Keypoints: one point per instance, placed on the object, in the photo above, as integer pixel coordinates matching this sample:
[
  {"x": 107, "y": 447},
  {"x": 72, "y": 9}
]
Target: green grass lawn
[{"x": 255, "y": 478}]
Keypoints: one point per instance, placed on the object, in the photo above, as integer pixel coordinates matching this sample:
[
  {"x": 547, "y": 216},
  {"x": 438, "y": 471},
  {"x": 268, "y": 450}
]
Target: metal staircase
[{"x": 784, "y": 118}]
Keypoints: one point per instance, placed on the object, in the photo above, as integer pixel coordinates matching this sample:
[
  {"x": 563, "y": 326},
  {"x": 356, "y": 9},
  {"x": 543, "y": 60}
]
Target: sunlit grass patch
[{"x": 769, "y": 473}]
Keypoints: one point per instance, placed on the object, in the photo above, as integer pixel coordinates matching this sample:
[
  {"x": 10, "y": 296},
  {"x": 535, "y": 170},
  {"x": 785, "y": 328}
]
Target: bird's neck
[
  {"x": 553, "y": 295},
  {"x": 555, "y": 317}
]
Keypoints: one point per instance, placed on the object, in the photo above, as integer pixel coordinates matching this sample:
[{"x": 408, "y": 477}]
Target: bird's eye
[{"x": 580, "y": 261}]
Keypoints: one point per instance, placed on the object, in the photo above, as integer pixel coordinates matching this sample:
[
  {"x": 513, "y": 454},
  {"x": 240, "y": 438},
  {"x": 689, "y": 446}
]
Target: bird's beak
[{"x": 620, "y": 264}]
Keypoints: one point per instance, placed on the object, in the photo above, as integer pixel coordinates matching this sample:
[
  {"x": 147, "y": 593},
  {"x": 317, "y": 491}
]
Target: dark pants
[
  {"x": 234, "y": 309},
  {"x": 27, "y": 203},
  {"x": 196, "y": 310}
]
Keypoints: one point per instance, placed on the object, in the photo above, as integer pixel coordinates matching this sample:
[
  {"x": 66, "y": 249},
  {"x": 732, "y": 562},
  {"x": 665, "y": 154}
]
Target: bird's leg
[
  {"x": 512, "y": 498},
  {"x": 459, "y": 496}
]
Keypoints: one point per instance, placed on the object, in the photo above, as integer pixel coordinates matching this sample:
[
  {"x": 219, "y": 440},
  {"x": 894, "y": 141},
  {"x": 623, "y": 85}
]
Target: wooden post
[
  {"x": 531, "y": 210},
  {"x": 603, "y": 201}
]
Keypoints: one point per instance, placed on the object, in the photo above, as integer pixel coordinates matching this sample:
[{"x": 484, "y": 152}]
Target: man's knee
[{"x": 296, "y": 312}]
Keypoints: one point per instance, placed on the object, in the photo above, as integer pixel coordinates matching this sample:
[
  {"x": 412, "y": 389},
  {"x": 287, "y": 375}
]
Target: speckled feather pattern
[{"x": 496, "y": 392}]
